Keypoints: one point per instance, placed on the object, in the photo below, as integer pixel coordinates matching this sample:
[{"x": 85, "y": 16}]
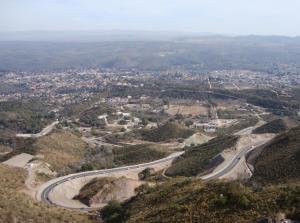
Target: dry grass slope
[
  {"x": 279, "y": 161},
  {"x": 187, "y": 200},
  {"x": 17, "y": 207},
  {"x": 198, "y": 159},
  {"x": 166, "y": 132},
  {"x": 275, "y": 126},
  {"x": 136, "y": 154},
  {"x": 61, "y": 149}
]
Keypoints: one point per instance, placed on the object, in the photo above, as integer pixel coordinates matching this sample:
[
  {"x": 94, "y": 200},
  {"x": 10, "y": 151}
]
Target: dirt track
[{"x": 44, "y": 131}]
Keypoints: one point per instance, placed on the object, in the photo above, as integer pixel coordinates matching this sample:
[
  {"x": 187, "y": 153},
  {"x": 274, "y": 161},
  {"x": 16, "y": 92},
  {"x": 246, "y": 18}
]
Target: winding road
[
  {"x": 233, "y": 163},
  {"x": 45, "y": 190}
]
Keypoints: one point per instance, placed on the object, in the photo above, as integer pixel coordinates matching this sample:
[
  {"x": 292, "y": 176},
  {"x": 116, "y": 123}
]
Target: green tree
[
  {"x": 144, "y": 121},
  {"x": 113, "y": 212}
]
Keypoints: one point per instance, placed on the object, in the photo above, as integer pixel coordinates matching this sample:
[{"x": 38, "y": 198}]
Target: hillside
[
  {"x": 102, "y": 190},
  {"x": 166, "y": 132},
  {"x": 4, "y": 150},
  {"x": 89, "y": 117},
  {"x": 275, "y": 126},
  {"x": 101, "y": 158},
  {"x": 11, "y": 145},
  {"x": 17, "y": 207},
  {"x": 187, "y": 200},
  {"x": 200, "y": 158},
  {"x": 137, "y": 154},
  {"x": 279, "y": 161},
  {"x": 24, "y": 116},
  {"x": 61, "y": 149}
]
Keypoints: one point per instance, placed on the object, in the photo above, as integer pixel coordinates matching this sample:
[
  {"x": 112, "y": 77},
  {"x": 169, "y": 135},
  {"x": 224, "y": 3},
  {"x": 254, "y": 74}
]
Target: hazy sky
[{"x": 280, "y": 17}]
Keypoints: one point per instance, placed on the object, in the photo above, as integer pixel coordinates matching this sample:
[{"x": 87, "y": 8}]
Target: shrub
[{"x": 113, "y": 212}]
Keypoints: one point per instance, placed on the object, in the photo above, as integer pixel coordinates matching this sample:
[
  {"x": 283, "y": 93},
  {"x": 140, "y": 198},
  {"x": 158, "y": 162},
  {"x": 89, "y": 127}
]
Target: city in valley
[
  {"x": 103, "y": 125},
  {"x": 76, "y": 130}
]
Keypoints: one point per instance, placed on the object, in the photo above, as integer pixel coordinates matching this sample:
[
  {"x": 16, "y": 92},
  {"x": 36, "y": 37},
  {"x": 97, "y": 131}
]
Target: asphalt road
[
  {"x": 47, "y": 190},
  {"x": 232, "y": 164},
  {"x": 237, "y": 158}
]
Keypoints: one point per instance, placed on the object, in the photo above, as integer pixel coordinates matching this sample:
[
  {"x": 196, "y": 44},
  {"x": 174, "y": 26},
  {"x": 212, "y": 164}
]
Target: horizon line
[{"x": 173, "y": 32}]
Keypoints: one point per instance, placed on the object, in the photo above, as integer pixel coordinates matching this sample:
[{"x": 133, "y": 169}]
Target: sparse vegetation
[
  {"x": 100, "y": 158},
  {"x": 166, "y": 132},
  {"x": 146, "y": 173},
  {"x": 197, "y": 159},
  {"x": 265, "y": 98},
  {"x": 4, "y": 149},
  {"x": 61, "y": 149},
  {"x": 275, "y": 126},
  {"x": 16, "y": 206},
  {"x": 25, "y": 116},
  {"x": 90, "y": 116},
  {"x": 279, "y": 161},
  {"x": 137, "y": 154},
  {"x": 101, "y": 190},
  {"x": 123, "y": 103},
  {"x": 112, "y": 213},
  {"x": 42, "y": 177},
  {"x": 18, "y": 146},
  {"x": 187, "y": 200},
  {"x": 89, "y": 190},
  {"x": 242, "y": 124}
]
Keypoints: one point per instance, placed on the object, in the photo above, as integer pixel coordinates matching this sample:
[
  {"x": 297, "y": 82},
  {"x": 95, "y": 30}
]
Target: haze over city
[{"x": 149, "y": 111}]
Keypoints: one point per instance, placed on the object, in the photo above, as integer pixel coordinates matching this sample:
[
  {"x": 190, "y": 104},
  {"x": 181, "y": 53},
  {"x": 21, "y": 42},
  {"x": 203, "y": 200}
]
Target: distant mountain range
[
  {"x": 95, "y": 36},
  {"x": 43, "y": 50},
  {"x": 119, "y": 35}
]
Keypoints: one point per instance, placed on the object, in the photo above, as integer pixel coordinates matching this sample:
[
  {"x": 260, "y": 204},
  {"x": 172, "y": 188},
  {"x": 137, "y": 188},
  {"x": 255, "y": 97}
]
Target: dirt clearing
[
  {"x": 19, "y": 160},
  {"x": 186, "y": 110}
]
